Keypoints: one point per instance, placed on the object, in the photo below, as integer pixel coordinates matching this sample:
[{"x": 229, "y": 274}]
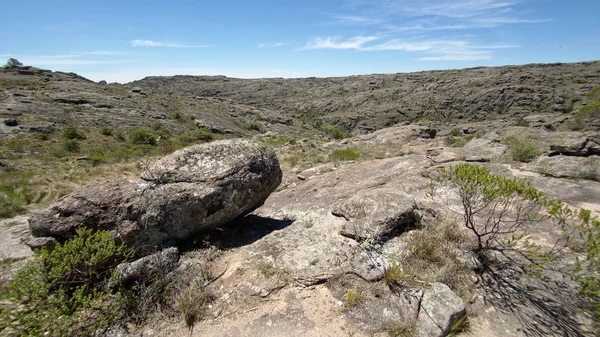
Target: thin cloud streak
[
  {"x": 104, "y": 52},
  {"x": 270, "y": 45},
  {"x": 329, "y": 42},
  {"x": 437, "y": 50},
  {"x": 354, "y": 19},
  {"x": 155, "y": 44}
]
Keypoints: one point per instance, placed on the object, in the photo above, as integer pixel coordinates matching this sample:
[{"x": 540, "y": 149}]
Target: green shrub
[
  {"x": 345, "y": 154},
  {"x": 96, "y": 156},
  {"x": 106, "y": 131},
  {"x": 12, "y": 63},
  {"x": 195, "y": 136},
  {"x": 70, "y": 145},
  {"x": 489, "y": 200},
  {"x": 143, "y": 136},
  {"x": 71, "y": 132},
  {"x": 335, "y": 132},
  {"x": 522, "y": 150},
  {"x": 587, "y": 269},
  {"x": 65, "y": 292}
]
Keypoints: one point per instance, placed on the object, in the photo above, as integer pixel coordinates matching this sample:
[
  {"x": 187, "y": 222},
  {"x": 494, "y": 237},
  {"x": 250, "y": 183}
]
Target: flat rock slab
[
  {"x": 567, "y": 167},
  {"x": 12, "y": 233}
]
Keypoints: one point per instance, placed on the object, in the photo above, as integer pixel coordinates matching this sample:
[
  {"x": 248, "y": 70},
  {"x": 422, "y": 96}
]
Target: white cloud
[
  {"x": 150, "y": 43},
  {"x": 104, "y": 52},
  {"x": 270, "y": 45},
  {"x": 356, "y": 43},
  {"x": 354, "y": 19},
  {"x": 434, "y": 49}
]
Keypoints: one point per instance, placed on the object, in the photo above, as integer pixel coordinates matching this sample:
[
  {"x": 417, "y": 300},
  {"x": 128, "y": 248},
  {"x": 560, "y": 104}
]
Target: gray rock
[
  {"x": 577, "y": 147},
  {"x": 46, "y": 127},
  {"x": 11, "y": 122},
  {"x": 193, "y": 189},
  {"x": 162, "y": 262},
  {"x": 483, "y": 150},
  {"x": 440, "y": 309},
  {"x": 567, "y": 167},
  {"x": 376, "y": 214}
]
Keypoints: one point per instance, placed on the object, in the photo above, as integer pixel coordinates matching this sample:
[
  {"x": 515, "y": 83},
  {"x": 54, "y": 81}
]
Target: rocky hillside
[
  {"x": 367, "y": 103},
  {"x": 341, "y": 216}
]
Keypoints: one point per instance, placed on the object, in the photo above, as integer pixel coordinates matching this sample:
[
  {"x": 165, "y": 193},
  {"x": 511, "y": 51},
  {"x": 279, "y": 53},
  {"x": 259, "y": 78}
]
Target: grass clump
[
  {"x": 15, "y": 193},
  {"x": 193, "y": 301},
  {"x": 65, "y": 292},
  {"x": 522, "y": 150},
  {"x": 344, "y": 154},
  {"x": 352, "y": 298},
  {"x": 403, "y": 329}
]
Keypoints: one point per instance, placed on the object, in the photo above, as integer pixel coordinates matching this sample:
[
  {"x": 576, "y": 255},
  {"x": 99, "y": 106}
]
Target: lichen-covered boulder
[{"x": 190, "y": 190}]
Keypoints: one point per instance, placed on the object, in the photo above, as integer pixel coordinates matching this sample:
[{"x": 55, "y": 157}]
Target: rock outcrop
[{"x": 194, "y": 189}]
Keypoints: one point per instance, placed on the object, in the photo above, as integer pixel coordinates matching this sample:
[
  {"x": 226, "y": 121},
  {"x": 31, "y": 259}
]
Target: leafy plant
[
  {"x": 65, "y": 292},
  {"x": 12, "y": 63},
  {"x": 493, "y": 205},
  {"x": 70, "y": 145},
  {"x": 71, "y": 132},
  {"x": 143, "y": 136}
]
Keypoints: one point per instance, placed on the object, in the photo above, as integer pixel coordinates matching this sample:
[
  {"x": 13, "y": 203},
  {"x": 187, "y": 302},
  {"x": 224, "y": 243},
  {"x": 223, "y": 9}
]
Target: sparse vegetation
[
  {"x": 352, "y": 298},
  {"x": 403, "y": 329},
  {"x": 344, "y": 155},
  {"x": 65, "y": 292},
  {"x": 489, "y": 200},
  {"x": 522, "y": 150}
]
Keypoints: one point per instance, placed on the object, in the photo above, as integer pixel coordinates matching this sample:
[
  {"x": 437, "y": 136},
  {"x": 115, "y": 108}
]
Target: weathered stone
[
  {"x": 440, "y": 309},
  {"x": 377, "y": 213},
  {"x": 567, "y": 167},
  {"x": 159, "y": 263},
  {"x": 192, "y": 189},
  {"x": 483, "y": 150}
]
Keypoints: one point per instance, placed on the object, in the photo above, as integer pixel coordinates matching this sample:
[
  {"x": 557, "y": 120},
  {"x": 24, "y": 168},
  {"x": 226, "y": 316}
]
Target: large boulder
[{"x": 190, "y": 190}]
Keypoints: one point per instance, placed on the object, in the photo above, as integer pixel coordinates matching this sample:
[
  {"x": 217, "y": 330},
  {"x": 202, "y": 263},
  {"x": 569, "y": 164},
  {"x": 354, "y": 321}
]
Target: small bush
[
  {"x": 71, "y": 132},
  {"x": 195, "y": 136},
  {"x": 345, "y": 154},
  {"x": 193, "y": 301},
  {"x": 96, "y": 156},
  {"x": 352, "y": 298},
  {"x": 335, "y": 132},
  {"x": 143, "y": 136},
  {"x": 65, "y": 292},
  {"x": 70, "y": 145},
  {"x": 522, "y": 150},
  {"x": 489, "y": 201},
  {"x": 106, "y": 131}
]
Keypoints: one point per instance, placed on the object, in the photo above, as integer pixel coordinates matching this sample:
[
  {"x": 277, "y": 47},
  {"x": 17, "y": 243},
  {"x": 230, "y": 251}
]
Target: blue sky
[{"x": 127, "y": 40}]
